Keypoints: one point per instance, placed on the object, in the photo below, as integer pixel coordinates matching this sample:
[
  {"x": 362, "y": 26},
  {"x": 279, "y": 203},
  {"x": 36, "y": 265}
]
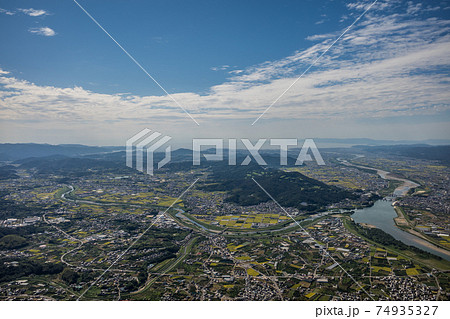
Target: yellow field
[
  {"x": 246, "y": 221},
  {"x": 376, "y": 269},
  {"x": 232, "y": 247},
  {"x": 243, "y": 258},
  {"x": 412, "y": 272},
  {"x": 252, "y": 272},
  {"x": 310, "y": 295},
  {"x": 295, "y": 266},
  {"x": 46, "y": 195},
  {"x": 295, "y": 286},
  {"x": 167, "y": 201}
]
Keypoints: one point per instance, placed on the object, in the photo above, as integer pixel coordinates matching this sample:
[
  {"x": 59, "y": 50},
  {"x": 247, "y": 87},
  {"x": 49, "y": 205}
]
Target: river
[{"x": 382, "y": 215}]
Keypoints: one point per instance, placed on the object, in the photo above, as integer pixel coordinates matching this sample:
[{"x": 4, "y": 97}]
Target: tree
[
  {"x": 12, "y": 242},
  {"x": 69, "y": 276}
]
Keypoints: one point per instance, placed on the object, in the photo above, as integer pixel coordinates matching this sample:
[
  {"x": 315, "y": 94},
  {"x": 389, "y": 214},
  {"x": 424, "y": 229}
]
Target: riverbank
[
  {"x": 441, "y": 264},
  {"x": 403, "y": 223},
  {"x": 399, "y": 220}
]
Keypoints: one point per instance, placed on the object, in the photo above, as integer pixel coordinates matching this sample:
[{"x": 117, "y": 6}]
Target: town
[{"x": 58, "y": 235}]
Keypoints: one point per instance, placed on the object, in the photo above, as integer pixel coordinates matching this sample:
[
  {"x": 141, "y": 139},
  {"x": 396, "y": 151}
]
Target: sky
[{"x": 210, "y": 69}]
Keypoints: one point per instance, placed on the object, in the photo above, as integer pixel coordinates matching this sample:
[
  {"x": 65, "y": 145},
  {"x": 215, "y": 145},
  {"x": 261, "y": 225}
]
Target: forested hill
[
  {"x": 290, "y": 189},
  {"x": 12, "y": 152}
]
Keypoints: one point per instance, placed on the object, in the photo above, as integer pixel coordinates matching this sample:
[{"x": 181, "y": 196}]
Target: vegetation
[
  {"x": 379, "y": 236},
  {"x": 7, "y": 172},
  {"x": 69, "y": 276},
  {"x": 12, "y": 242},
  {"x": 11, "y": 269},
  {"x": 290, "y": 189},
  {"x": 11, "y": 209}
]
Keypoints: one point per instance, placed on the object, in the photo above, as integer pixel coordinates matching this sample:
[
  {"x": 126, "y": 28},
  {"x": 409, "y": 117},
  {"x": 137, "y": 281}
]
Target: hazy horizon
[{"x": 320, "y": 142}]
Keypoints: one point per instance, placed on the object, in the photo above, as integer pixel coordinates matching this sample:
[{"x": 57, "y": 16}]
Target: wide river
[{"x": 382, "y": 215}]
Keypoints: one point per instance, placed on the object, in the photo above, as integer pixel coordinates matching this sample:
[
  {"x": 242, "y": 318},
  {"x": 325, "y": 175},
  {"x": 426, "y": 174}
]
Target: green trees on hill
[
  {"x": 11, "y": 269},
  {"x": 290, "y": 189},
  {"x": 12, "y": 242}
]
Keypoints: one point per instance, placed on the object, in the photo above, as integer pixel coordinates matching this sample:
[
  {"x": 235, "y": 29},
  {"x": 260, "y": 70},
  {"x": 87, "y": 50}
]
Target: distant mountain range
[
  {"x": 12, "y": 152},
  {"x": 329, "y": 142},
  {"x": 428, "y": 152},
  {"x": 18, "y": 152}
]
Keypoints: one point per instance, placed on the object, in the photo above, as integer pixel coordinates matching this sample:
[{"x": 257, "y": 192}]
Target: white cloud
[
  {"x": 7, "y": 12},
  {"x": 379, "y": 5},
  {"x": 34, "y": 12},
  {"x": 389, "y": 65},
  {"x": 416, "y": 8},
  {"x": 320, "y": 37},
  {"x": 220, "y": 68},
  {"x": 45, "y": 31}
]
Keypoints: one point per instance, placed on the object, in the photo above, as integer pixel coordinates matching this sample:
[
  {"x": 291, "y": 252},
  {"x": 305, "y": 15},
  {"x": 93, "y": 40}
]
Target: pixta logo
[
  {"x": 253, "y": 149},
  {"x": 144, "y": 141}
]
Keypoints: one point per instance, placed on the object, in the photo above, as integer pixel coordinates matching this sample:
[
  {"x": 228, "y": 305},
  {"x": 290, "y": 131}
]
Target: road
[{"x": 183, "y": 252}]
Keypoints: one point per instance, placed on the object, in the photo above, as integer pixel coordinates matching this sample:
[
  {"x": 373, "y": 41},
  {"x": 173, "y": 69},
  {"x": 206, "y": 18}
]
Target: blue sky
[
  {"x": 179, "y": 42},
  {"x": 63, "y": 80}
]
